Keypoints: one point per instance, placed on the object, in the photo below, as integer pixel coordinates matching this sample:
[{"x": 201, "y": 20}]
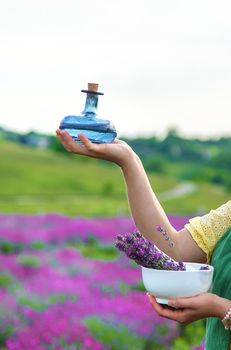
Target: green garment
[{"x": 217, "y": 338}]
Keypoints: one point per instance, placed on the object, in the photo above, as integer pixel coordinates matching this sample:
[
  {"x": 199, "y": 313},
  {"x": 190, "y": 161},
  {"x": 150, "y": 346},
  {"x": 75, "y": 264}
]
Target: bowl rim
[{"x": 211, "y": 268}]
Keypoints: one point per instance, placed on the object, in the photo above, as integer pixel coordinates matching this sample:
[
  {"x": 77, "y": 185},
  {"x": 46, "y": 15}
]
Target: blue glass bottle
[{"x": 97, "y": 129}]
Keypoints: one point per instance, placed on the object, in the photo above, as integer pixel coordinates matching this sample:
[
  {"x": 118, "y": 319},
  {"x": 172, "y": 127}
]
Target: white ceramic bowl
[{"x": 165, "y": 284}]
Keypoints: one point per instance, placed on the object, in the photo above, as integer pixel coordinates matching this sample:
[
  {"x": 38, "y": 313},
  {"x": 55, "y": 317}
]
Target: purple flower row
[
  {"x": 47, "y": 304},
  {"x": 65, "y": 289},
  {"x": 55, "y": 228}
]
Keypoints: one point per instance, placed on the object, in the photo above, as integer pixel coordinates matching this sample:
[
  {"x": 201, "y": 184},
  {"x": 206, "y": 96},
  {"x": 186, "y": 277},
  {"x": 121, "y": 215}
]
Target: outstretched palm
[{"x": 118, "y": 151}]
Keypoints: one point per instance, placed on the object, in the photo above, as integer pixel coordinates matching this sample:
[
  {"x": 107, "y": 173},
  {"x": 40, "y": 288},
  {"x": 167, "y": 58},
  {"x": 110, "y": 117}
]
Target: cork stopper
[{"x": 92, "y": 89}]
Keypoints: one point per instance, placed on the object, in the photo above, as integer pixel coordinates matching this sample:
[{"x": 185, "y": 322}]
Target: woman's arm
[
  {"x": 145, "y": 207},
  {"x": 187, "y": 310},
  {"x": 148, "y": 213}
]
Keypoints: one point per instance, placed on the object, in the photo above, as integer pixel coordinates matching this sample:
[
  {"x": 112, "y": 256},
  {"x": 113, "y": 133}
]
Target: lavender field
[{"x": 63, "y": 285}]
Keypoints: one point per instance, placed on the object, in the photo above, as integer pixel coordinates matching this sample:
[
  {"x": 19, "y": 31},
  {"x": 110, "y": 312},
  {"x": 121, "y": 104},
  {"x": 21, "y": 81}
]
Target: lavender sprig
[{"x": 145, "y": 253}]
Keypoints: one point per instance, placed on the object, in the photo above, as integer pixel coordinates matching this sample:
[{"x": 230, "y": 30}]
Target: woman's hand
[
  {"x": 117, "y": 152},
  {"x": 187, "y": 310}
]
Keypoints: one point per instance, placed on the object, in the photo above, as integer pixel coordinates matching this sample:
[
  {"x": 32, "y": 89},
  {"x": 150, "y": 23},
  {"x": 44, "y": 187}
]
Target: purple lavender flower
[{"x": 145, "y": 253}]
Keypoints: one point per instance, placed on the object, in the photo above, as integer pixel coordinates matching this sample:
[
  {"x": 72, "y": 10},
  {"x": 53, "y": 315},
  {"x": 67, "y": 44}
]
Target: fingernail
[{"x": 171, "y": 303}]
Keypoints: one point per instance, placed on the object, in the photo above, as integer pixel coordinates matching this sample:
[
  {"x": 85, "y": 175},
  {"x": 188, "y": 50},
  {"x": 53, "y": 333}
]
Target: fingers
[
  {"x": 88, "y": 148},
  {"x": 66, "y": 140},
  {"x": 75, "y": 147},
  {"x": 160, "y": 309},
  {"x": 182, "y": 302},
  {"x": 165, "y": 311},
  {"x": 87, "y": 143}
]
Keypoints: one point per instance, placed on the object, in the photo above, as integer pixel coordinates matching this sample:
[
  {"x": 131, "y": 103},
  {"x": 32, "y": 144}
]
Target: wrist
[
  {"x": 130, "y": 162},
  {"x": 221, "y": 306}
]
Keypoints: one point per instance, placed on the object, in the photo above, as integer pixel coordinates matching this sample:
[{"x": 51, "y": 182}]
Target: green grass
[
  {"x": 97, "y": 251},
  {"x": 205, "y": 198},
  {"x": 116, "y": 337},
  {"x": 40, "y": 181},
  {"x": 74, "y": 205},
  {"x": 26, "y": 171}
]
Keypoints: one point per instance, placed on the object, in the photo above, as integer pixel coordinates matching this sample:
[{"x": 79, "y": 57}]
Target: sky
[{"x": 161, "y": 64}]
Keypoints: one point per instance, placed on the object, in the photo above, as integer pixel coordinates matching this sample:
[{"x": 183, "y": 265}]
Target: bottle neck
[{"x": 91, "y": 104}]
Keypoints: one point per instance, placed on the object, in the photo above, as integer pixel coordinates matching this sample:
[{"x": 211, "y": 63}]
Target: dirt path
[{"x": 179, "y": 191}]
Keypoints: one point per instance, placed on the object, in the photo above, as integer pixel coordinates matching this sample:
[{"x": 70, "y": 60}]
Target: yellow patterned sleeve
[{"x": 207, "y": 230}]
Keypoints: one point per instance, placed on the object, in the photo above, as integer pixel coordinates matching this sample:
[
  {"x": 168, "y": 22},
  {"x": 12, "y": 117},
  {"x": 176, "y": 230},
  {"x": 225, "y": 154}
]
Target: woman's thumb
[{"x": 180, "y": 303}]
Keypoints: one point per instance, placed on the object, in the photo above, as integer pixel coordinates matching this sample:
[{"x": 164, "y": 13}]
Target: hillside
[{"x": 38, "y": 181}]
